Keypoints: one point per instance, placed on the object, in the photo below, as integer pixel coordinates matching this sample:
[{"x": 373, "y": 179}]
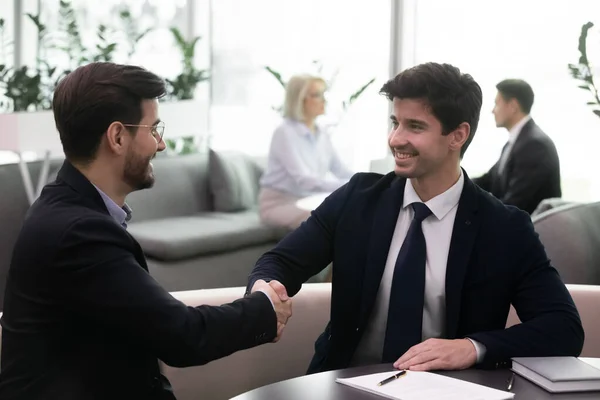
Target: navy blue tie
[{"x": 405, "y": 314}]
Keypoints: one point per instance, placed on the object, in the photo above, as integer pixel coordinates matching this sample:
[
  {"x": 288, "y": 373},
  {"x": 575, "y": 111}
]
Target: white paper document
[{"x": 424, "y": 385}]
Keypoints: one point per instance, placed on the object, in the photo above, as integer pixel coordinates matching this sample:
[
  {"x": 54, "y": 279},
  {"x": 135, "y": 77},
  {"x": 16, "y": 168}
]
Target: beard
[{"x": 137, "y": 173}]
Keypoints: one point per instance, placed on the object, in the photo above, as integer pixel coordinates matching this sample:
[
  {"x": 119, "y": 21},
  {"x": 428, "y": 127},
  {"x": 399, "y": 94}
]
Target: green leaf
[
  {"x": 597, "y": 112},
  {"x": 360, "y": 91},
  {"x": 584, "y": 87},
  {"x": 276, "y": 75},
  {"x": 179, "y": 39}
]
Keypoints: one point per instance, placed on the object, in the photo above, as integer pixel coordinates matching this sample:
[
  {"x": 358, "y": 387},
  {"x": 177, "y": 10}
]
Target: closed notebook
[{"x": 558, "y": 374}]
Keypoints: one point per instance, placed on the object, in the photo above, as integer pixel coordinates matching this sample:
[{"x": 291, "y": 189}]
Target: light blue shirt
[
  {"x": 299, "y": 162},
  {"x": 121, "y": 214}
]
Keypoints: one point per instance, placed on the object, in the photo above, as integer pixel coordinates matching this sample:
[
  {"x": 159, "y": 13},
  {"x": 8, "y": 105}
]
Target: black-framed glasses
[{"x": 157, "y": 130}]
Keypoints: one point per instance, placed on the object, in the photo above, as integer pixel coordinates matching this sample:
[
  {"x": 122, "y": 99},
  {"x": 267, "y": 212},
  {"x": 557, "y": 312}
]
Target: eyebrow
[
  {"x": 156, "y": 122},
  {"x": 410, "y": 121}
]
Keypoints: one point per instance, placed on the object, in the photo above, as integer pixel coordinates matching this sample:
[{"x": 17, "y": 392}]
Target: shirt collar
[
  {"x": 441, "y": 204},
  {"x": 303, "y": 129},
  {"x": 513, "y": 134},
  {"x": 121, "y": 214}
]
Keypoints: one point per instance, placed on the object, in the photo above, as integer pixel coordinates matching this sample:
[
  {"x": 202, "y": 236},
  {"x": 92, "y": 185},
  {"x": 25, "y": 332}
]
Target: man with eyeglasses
[{"x": 82, "y": 318}]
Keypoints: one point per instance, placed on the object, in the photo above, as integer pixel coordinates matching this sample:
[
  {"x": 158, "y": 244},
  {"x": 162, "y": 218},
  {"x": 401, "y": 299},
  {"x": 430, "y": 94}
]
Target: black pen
[{"x": 392, "y": 378}]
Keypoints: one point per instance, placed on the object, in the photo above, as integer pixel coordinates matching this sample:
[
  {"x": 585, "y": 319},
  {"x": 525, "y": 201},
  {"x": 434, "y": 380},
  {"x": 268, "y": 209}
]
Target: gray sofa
[
  {"x": 198, "y": 225},
  {"x": 571, "y": 235}
]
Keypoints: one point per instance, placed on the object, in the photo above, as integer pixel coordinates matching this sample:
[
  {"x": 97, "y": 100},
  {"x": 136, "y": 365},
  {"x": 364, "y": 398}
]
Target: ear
[
  {"x": 459, "y": 136},
  {"x": 117, "y": 138},
  {"x": 514, "y": 105}
]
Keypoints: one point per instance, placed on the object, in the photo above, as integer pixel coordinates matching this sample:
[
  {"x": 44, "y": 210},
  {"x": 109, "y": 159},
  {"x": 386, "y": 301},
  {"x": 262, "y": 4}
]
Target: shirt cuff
[
  {"x": 479, "y": 349},
  {"x": 271, "y": 301}
]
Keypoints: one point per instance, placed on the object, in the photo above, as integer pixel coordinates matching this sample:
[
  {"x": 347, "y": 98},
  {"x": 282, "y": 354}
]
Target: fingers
[
  {"x": 280, "y": 329},
  {"x": 417, "y": 359},
  {"x": 410, "y": 353},
  {"x": 286, "y": 310},
  {"x": 279, "y": 289},
  {"x": 428, "y": 366}
]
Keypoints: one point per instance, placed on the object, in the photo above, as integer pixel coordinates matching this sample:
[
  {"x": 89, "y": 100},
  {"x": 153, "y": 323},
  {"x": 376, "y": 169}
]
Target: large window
[
  {"x": 78, "y": 31},
  {"x": 532, "y": 40},
  {"x": 347, "y": 37}
]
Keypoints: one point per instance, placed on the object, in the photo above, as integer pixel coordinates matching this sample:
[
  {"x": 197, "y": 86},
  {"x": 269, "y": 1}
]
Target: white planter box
[
  {"x": 184, "y": 118},
  {"x": 29, "y": 131},
  {"x": 36, "y": 132}
]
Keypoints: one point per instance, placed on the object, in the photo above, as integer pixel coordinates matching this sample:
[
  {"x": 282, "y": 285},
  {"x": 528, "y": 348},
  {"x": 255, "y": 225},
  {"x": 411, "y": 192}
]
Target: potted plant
[
  {"x": 181, "y": 104},
  {"x": 330, "y": 82}
]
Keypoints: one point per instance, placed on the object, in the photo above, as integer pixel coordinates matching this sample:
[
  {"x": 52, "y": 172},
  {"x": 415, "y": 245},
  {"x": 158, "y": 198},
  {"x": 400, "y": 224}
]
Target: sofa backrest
[
  {"x": 180, "y": 188},
  {"x": 262, "y": 365},
  {"x": 571, "y": 233},
  {"x": 290, "y": 357}
]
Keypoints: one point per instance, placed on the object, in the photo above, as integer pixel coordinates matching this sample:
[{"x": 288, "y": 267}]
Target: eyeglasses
[
  {"x": 157, "y": 130},
  {"x": 318, "y": 95}
]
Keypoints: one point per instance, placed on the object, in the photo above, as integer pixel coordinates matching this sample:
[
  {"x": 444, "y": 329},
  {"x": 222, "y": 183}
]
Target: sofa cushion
[
  {"x": 179, "y": 238},
  {"x": 234, "y": 181},
  {"x": 180, "y": 188}
]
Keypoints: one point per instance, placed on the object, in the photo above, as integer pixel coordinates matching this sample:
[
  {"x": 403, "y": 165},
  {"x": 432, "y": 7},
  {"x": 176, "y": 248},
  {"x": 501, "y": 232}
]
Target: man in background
[
  {"x": 528, "y": 170},
  {"x": 83, "y": 319}
]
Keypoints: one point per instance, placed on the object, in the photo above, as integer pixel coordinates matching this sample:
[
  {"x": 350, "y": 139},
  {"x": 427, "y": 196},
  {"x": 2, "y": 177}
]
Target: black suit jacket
[
  {"x": 495, "y": 259},
  {"x": 531, "y": 173},
  {"x": 83, "y": 319}
]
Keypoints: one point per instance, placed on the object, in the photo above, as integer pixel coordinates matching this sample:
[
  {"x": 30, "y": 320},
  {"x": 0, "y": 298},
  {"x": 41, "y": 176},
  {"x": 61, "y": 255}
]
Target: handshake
[{"x": 281, "y": 302}]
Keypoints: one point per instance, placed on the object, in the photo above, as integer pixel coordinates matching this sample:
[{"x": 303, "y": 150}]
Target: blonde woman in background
[{"x": 302, "y": 161}]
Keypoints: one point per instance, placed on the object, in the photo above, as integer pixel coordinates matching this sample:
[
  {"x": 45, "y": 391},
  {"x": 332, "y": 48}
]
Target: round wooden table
[{"x": 323, "y": 386}]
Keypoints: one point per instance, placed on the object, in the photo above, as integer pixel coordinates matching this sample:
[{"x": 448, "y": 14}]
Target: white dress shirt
[
  {"x": 513, "y": 134},
  {"x": 437, "y": 229}
]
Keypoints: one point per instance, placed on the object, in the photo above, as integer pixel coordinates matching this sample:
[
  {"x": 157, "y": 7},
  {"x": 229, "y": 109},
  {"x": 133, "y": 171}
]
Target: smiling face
[
  {"x": 416, "y": 140},
  {"x": 138, "y": 172}
]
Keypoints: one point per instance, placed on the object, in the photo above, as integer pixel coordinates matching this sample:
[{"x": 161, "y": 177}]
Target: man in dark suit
[
  {"x": 528, "y": 170},
  {"x": 83, "y": 319},
  {"x": 425, "y": 263}
]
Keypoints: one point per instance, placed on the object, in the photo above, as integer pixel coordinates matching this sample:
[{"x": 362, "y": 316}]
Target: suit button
[{"x": 155, "y": 382}]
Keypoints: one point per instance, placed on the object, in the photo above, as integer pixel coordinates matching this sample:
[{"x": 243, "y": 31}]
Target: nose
[
  {"x": 161, "y": 145},
  {"x": 397, "y": 138}
]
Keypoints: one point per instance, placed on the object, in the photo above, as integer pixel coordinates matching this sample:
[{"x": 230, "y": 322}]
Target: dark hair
[
  {"x": 89, "y": 99},
  {"x": 519, "y": 90},
  {"x": 452, "y": 97}
]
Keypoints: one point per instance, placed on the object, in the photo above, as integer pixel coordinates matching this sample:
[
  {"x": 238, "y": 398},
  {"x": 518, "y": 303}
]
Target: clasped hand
[{"x": 281, "y": 302}]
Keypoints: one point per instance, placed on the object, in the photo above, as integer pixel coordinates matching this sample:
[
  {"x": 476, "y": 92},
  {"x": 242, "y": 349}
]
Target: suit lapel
[
  {"x": 385, "y": 218},
  {"x": 464, "y": 233}
]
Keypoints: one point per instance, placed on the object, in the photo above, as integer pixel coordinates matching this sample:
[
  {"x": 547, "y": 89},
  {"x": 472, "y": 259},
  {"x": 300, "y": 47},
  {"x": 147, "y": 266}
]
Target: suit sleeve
[
  {"x": 530, "y": 172},
  {"x": 104, "y": 283},
  {"x": 550, "y": 322},
  {"x": 307, "y": 250}
]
